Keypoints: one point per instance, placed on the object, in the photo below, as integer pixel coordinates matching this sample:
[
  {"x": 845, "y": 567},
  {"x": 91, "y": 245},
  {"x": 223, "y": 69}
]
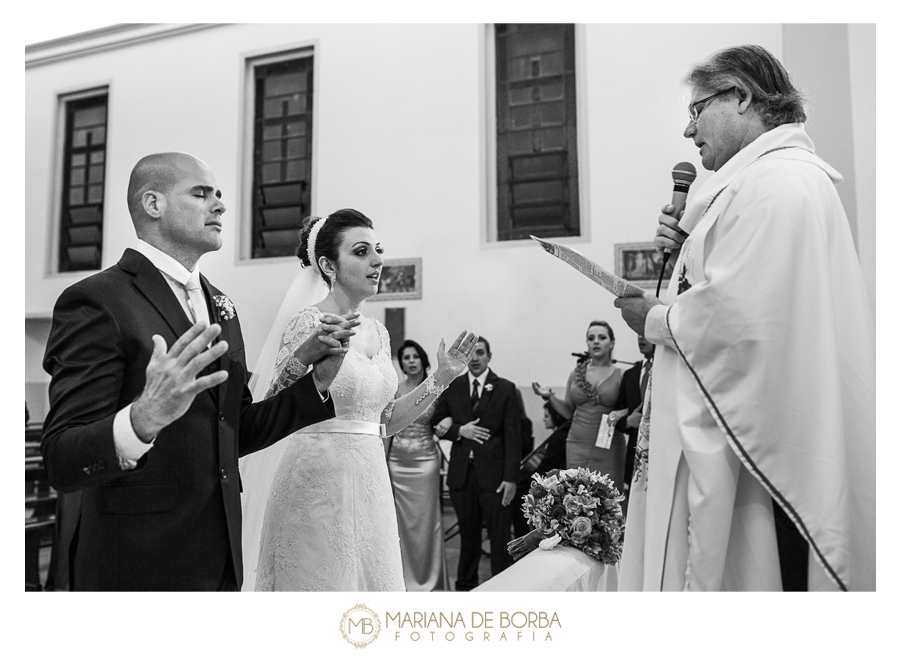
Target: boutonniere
[
  {"x": 488, "y": 387},
  {"x": 225, "y": 307}
]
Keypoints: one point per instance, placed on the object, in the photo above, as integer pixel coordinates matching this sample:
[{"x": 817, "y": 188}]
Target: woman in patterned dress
[
  {"x": 414, "y": 464},
  {"x": 591, "y": 392}
]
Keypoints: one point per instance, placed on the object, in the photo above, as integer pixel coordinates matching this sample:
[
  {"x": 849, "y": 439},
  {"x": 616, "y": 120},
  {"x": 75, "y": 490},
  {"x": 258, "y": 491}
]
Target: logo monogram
[{"x": 360, "y": 626}]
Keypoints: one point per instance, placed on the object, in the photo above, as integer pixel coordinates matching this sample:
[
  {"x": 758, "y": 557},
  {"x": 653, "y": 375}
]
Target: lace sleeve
[
  {"x": 385, "y": 339},
  {"x": 288, "y": 368}
]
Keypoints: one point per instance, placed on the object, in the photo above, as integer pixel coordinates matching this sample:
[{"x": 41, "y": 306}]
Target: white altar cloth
[{"x": 561, "y": 569}]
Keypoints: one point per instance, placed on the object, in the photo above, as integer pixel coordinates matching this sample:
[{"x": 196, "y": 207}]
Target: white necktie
[{"x": 194, "y": 295}]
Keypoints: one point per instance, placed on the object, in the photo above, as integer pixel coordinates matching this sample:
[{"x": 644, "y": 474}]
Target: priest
[{"x": 760, "y": 463}]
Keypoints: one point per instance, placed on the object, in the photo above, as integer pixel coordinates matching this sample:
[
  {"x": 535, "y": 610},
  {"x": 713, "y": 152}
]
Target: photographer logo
[{"x": 360, "y": 626}]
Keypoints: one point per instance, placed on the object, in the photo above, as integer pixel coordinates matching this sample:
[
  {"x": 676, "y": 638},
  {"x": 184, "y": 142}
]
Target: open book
[{"x": 615, "y": 284}]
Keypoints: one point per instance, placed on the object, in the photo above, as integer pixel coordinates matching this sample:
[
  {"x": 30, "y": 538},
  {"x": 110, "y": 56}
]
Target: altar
[{"x": 561, "y": 569}]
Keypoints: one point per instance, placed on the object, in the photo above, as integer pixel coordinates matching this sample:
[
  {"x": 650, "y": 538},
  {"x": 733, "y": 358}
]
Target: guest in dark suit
[
  {"x": 149, "y": 410},
  {"x": 526, "y": 428},
  {"x": 555, "y": 452},
  {"x": 631, "y": 395},
  {"x": 549, "y": 455},
  {"x": 484, "y": 461},
  {"x": 527, "y": 442}
]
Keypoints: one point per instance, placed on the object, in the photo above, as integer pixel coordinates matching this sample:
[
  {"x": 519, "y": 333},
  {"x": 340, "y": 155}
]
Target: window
[
  {"x": 282, "y": 153},
  {"x": 537, "y": 159},
  {"x": 84, "y": 176}
]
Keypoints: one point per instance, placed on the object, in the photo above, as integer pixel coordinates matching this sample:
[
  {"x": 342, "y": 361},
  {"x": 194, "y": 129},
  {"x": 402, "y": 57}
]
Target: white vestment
[{"x": 763, "y": 386}]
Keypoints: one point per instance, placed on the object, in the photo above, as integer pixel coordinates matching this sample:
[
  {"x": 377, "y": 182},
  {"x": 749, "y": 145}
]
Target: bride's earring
[{"x": 328, "y": 275}]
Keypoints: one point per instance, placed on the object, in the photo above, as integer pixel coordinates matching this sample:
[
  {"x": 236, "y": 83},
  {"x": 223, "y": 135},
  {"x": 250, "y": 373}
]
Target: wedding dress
[{"x": 329, "y": 521}]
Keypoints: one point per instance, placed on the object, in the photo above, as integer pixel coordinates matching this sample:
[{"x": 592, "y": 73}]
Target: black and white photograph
[{"x": 237, "y": 381}]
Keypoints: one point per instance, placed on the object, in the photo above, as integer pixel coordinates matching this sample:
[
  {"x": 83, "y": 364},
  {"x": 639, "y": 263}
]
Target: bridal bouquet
[{"x": 576, "y": 507}]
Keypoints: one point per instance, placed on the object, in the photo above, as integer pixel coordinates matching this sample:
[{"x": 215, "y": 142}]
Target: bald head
[
  {"x": 158, "y": 172},
  {"x": 176, "y": 206}
]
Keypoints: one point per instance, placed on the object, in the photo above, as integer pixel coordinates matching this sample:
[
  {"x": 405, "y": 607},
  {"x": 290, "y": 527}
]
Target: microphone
[
  {"x": 584, "y": 356},
  {"x": 683, "y": 174}
]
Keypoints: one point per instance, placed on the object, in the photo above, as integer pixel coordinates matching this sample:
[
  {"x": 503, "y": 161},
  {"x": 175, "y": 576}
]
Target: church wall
[
  {"x": 401, "y": 122},
  {"x": 861, "y": 39}
]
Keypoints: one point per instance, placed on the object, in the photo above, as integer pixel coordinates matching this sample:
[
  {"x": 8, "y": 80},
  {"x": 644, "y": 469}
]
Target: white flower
[
  {"x": 550, "y": 542},
  {"x": 225, "y": 307},
  {"x": 488, "y": 387}
]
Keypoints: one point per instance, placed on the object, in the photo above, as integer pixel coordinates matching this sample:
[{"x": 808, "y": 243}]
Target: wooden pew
[{"x": 40, "y": 509}]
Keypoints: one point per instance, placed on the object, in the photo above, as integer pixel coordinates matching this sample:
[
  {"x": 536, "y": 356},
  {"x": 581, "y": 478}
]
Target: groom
[{"x": 149, "y": 410}]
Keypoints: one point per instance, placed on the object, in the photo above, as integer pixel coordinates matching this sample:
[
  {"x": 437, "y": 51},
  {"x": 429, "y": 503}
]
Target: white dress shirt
[
  {"x": 655, "y": 329},
  {"x": 481, "y": 379}
]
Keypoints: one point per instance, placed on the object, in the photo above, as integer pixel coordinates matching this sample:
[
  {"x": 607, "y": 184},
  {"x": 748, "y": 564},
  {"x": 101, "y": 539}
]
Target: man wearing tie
[
  {"x": 149, "y": 410},
  {"x": 484, "y": 461},
  {"x": 631, "y": 396}
]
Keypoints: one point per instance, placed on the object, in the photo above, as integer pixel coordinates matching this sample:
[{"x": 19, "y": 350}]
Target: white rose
[{"x": 550, "y": 542}]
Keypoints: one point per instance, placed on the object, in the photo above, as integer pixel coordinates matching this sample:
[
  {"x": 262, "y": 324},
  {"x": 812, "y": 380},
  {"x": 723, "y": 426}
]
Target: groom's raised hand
[{"x": 171, "y": 378}]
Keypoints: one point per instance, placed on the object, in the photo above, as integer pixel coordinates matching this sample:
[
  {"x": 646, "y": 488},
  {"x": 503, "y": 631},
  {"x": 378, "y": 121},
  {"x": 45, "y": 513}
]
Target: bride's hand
[
  {"x": 453, "y": 362},
  {"x": 349, "y": 321},
  {"x": 338, "y": 328},
  {"x": 331, "y": 338}
]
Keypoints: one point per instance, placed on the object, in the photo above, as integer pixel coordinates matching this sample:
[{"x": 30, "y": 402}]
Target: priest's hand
[
  {"x": 635, "y": 309},
  {"x": 668, "y": 235}
]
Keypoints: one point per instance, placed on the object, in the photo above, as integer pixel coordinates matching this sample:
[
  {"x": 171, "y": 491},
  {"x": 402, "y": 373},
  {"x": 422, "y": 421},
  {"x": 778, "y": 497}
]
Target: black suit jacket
[
  {"x": 630, "y": 395},
  {"x": 174, "y": 522},
  {"x": 497, "y": 459}
]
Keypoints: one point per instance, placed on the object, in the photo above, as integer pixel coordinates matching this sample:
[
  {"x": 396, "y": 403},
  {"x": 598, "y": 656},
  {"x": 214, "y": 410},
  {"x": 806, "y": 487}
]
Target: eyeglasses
[{"x": 693, "y": 107}]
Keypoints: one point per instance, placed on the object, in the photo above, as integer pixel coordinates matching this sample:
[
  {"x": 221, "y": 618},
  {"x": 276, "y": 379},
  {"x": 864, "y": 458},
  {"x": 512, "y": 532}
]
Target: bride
[{"x": 318, "y": 510}]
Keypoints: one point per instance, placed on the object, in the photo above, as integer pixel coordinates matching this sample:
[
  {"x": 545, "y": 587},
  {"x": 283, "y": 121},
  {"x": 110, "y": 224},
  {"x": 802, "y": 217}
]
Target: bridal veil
[{"x": 258, "y": 469}]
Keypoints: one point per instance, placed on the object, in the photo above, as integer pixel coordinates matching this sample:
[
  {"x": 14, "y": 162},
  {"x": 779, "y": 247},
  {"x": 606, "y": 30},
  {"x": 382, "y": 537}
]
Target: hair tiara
[{"x": 311, "y": 243}]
